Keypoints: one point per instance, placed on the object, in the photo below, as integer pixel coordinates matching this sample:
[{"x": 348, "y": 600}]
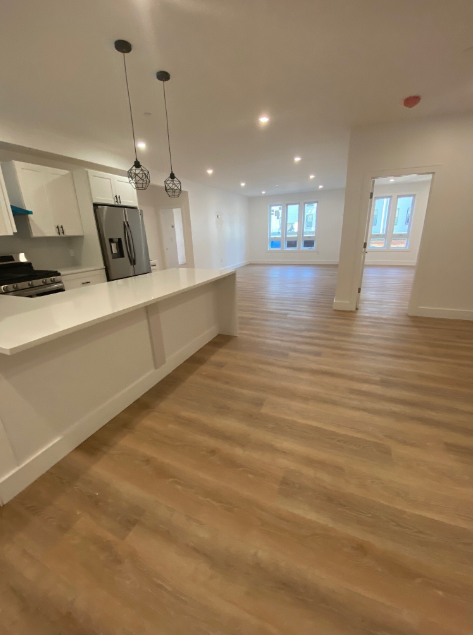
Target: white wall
[
  {"x": 219, "y": 227},
  {"x": 408, "y": 256},
  {"x": 443, "y": 284},
  {"x": 328, "y": 230}
]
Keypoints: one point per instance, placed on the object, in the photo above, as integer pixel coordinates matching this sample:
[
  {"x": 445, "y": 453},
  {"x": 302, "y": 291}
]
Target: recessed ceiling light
[
  {"x": 297, "y": 159},
  {"x": 210, "y": 171},
  {"x": 277, "y": 185},
  {"x": 263, "y": 192},
  {"x": 264, "y": 119},
  {"x": 243, "y": 184},
  {"x": 321, "y": 187},
  {"x": 392, "y": 180},
  {"x": 312, "y": 176},
  {"x": 141, "y": 144}
]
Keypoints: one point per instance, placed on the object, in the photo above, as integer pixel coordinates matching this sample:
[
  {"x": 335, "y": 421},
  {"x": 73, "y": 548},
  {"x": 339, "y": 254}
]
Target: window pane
[
  {"x": 380, "y": 215},
  {"x": 377, "y": 243},
  {"x": 399, "y": 242},
  {"x": 275, "y": 244},
  {"x": 292, "y": 221},
  {"x": 308, "y": 244},
  {"x": 275, "y": 220},
  {"x": 310, "y": 215},
  {"x": 291, "y": 244},
  {"x": 402, "y": 220}
]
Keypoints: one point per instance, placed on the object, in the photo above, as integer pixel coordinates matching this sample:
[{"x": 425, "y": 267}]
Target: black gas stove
[{"x": 18, "y": 277}]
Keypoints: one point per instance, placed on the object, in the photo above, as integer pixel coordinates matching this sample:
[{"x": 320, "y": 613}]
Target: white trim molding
[
  {"x": 439, "y": 312},
  {"x": 294, "y": 262}
]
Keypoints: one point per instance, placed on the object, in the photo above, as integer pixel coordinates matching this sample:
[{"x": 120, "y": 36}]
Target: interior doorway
[
  {"x": 397, "y": 209},
  {"x": 172, "y": 236}
]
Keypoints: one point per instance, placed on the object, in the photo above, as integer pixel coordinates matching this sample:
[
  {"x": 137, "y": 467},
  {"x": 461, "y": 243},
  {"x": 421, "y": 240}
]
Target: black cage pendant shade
[
  {"x": 172, "y": 185},
  {"x": 138, "y": 175}
]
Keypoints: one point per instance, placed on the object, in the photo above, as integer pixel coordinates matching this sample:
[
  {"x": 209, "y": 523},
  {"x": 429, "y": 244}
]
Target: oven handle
[{"x": 45, "y": 289}]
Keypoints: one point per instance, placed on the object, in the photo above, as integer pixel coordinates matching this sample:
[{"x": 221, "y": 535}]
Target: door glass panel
[
  {"x": 399, "y": 242},
  {"x": 310, "y": 212},
  {"x": 309, "y": 243},
  {"x": 403, "y": 216},
  {"x": 380, "y": 215},
  {"x": 275, "y": 226},
  {"x": 291, "y": 244},
  {"x": 377, "y": 243},
  {"x": 292, "y": 222}
]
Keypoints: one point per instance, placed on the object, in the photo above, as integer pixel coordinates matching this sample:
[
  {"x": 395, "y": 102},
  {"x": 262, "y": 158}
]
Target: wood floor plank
[{"x": 313, "y": 475}]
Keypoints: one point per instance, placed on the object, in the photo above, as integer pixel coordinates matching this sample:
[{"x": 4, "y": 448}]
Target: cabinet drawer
[{"x": 78, "y": 280}]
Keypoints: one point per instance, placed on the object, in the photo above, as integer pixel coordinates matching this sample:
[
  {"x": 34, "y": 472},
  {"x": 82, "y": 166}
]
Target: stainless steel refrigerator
[{"x": 123, "y": 240}]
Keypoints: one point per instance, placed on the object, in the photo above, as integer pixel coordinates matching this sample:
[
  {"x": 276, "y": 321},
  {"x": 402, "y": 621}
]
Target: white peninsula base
[{"x": 94, "y": 351}]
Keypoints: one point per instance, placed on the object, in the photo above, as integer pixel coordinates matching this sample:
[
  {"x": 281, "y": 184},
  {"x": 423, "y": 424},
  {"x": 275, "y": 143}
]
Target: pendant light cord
[
  {"x": 167, "y": 125},
  {"x": 129, "y": 103}
]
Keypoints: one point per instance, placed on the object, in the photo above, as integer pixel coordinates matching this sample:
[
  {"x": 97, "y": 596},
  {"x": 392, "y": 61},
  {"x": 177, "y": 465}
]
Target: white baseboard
[
  {"x": 437, "y": 312},
  {"x": 343, "y": 305},
  {"x": 237, "y": 266},
  {"x": 23, "y": 475},
  {"x": 293, "y": 262},
  {"x": 390, "y": 263}
]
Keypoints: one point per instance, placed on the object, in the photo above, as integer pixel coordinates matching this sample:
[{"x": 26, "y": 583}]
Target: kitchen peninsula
[{"x": 71, "y": 362}]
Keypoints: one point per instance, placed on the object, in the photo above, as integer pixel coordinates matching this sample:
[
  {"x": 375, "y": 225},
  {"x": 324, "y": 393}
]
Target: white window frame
[
  {"x": 303, "y": 236},
  {"x": 300, "y": 228},
  {"x": 283, "y": 216},
  {"x": 298, "y": 235},
  {"x": 393, "y": 198}
]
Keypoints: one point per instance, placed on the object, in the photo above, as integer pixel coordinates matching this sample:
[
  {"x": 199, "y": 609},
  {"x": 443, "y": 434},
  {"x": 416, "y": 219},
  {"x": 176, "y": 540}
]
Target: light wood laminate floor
[{"x": 313, "y": 476}]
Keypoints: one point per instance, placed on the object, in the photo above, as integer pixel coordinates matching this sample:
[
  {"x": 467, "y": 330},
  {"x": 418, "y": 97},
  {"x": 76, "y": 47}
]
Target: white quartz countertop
[{"x": 27, "y": 322}]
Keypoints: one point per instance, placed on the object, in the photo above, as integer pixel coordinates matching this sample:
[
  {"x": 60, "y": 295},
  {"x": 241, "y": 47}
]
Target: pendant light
[
  {"x": 172, "y": 185},
  {"x": 137, "y": 174}
]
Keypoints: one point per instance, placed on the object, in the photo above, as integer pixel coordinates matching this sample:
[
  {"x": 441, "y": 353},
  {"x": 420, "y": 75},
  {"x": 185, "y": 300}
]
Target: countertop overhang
[{"x": 28, "y": 322}]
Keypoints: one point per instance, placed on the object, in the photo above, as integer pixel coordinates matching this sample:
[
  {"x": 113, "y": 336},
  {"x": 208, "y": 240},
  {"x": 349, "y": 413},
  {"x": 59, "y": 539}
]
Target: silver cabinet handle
[
  {"x": 120, "y": 199},
  {"x": 58, "y": 230},
  {"x": 88, "y": 282},
  {"x": 63, "y": 232}
]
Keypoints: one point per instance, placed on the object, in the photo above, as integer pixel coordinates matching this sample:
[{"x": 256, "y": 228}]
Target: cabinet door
[
  {"x": 64, "y": 205},
  {"x": 7, "y": 223},
  {"x": 33, "y": 181},
  {"x": 125, "y": 191},
  {"x": 102, "y": 187}
]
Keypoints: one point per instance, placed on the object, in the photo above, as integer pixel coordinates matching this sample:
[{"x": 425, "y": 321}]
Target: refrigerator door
[
  {"x": 138, "y": 242},
  {"x": 115, "y": 242}
]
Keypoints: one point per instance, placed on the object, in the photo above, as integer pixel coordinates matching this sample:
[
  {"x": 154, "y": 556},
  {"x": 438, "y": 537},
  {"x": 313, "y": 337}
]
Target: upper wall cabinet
[
  {"x": 49, "y": 193},
  {"x": 109, "y": 189},
  {"x": 7, "y": 222}
]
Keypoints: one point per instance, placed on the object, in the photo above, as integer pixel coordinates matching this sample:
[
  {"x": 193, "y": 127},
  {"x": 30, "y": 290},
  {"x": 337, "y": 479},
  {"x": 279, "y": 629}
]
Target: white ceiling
[{"x": 316, "y": 67}]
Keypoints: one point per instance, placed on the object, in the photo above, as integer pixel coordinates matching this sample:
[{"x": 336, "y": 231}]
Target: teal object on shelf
[{"x": 19, "y": 211}]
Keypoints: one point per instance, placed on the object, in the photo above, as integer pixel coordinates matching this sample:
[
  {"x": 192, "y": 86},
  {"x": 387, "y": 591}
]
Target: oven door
[{"x": 36, "y": 292}]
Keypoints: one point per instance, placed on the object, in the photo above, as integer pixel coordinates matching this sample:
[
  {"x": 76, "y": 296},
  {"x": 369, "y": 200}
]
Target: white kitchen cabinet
[
  {"x": 109, "y": 189},
  {"x": 81, "y": 279},
  {"x": 49, "y": 193},
  {"x": 102, "y": 187},
  {"x": 125, "y": 191},
  {"x": 7, "y": 222}
]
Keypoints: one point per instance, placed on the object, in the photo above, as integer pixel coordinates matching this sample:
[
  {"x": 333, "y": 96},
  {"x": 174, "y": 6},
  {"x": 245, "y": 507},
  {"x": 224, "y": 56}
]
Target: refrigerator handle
[
  {"x": 127, "y": 241},
  {"x": 132, "y": 243}
]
